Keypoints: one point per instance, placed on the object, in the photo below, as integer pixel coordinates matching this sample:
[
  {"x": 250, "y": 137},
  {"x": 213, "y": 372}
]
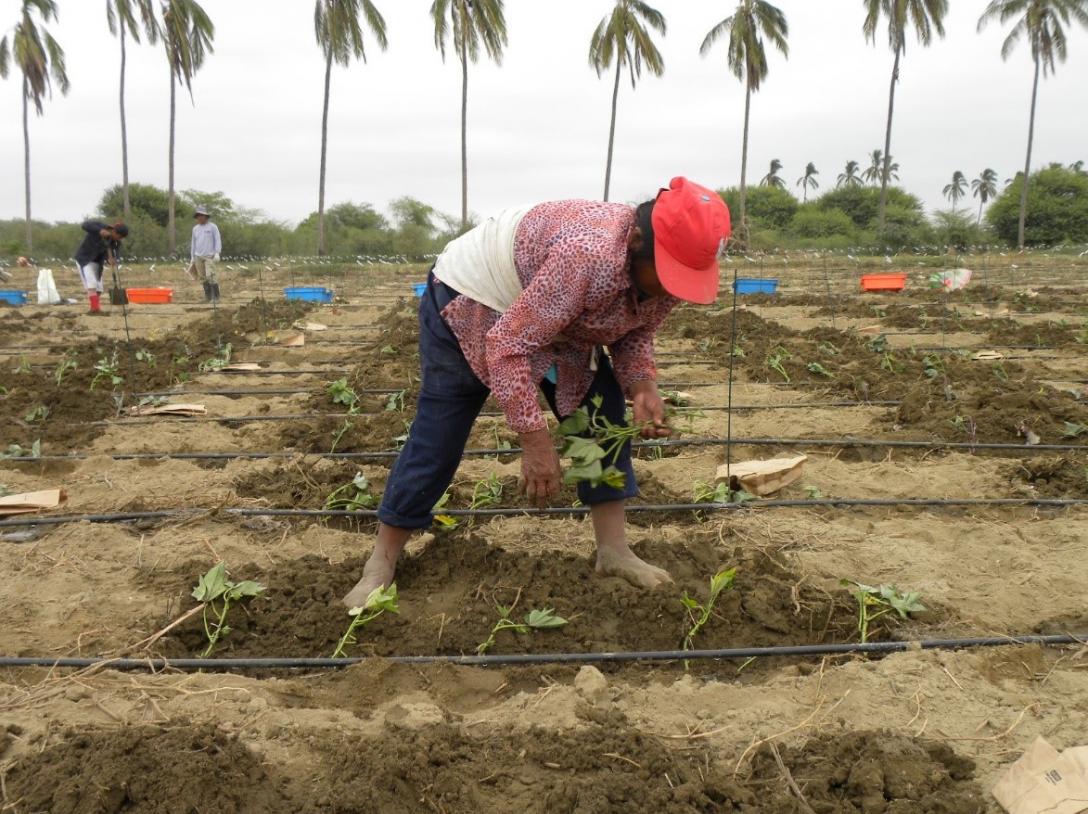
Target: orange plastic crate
[
  {"x": 150, "y": 296},
  {"x": 883, "y": 282}
]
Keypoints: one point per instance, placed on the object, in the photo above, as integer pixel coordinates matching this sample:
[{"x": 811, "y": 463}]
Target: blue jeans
[{"x": 450, "y": 399}]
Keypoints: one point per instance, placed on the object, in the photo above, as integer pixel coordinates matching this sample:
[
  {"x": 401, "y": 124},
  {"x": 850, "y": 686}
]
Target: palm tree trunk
[
  {"x": 612, "y": 127},
  {"x": 1027, "y": 163},
  {"x": 744, "y": 166},
  {"x": 888, "y": 144},
  {"x": 124, "y": 127},
  {"x": 26, "y": 165},
  {"x": 981, "y": 203},
  {"x": 321, "y": 248},
  {"x": 464, "y": 128},
  {"x": 171, "y": 225}
]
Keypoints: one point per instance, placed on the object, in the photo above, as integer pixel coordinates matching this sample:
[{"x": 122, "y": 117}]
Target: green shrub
[
  {"x": 811, "y": 221},
  {"x": 1057, "y": 208},
  {"x": 766, "y": 206}
]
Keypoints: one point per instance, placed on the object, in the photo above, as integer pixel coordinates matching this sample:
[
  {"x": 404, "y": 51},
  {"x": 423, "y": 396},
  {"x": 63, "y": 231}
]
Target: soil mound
[
  {"x": 600, "y": 769},
  {"x": 450, "y": 590},
  {"x": 1054, "y": 477},
  {"x": 144, "y": 770},
  {"x": 871, "y": 772},
  {"x": 55, "y": 405}
]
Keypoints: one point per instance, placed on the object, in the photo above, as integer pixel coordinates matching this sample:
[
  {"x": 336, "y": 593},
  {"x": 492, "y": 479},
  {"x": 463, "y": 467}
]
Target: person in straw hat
[{"x": 204, "y": 252}]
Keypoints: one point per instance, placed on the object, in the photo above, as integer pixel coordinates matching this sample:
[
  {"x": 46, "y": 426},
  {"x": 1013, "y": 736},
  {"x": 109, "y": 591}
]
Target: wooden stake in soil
[
  {"x": 114, "y": 264},
  {"x": 729, "y": 399},
  {"x": 830, "y": 299}
]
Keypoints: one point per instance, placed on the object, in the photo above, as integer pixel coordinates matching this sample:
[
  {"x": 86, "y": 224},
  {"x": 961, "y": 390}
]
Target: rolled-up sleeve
[
  {"x": 552, "y": 301},
  {"x": 633, "y": 354}
]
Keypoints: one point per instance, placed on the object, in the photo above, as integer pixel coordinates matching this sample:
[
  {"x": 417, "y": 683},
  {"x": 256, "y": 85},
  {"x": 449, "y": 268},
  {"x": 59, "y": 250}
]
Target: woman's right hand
[{"x": 540, "y": 471}]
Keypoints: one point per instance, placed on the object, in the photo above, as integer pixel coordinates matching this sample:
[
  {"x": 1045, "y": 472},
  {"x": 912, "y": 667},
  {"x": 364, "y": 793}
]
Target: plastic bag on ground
[{"x": 47, "y": 288}]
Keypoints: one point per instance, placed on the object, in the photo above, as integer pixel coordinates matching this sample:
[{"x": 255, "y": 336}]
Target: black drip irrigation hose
[
  {"x": 294, "y": 391},
  {"x": 563, "y": 511},
  {"x": 496, "y": 660},
  {"x": 235, "y": 419},
  {"x": 683, "y": 442}
]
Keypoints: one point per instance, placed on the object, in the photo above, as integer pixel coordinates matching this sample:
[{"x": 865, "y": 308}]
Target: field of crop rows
[{"x": 962, "y": 479}]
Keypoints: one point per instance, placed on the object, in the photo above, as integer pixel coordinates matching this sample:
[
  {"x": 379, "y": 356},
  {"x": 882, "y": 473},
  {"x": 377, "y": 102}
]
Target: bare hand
[
  {"x": 649, "y": 410},
  {"x": 540, "y": 472}
]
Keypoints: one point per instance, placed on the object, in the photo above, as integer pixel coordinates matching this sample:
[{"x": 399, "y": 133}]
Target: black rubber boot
[
  {"x": 215, "y": 292},
  {"x": 207, "y": 291}
]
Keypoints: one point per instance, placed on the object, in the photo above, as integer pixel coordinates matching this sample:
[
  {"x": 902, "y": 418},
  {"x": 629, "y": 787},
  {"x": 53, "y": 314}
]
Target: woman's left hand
[{"x": 649, "y": 410}]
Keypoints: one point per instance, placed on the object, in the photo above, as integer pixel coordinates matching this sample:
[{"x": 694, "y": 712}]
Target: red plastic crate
[
  {"x": 883, "y": 282},
  {"x": 150, "y": 296}
]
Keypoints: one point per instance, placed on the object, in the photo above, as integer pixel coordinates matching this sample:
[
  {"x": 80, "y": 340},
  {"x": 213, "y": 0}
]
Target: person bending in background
[
  {"x": 529, "y": 299},
  {"x": 99, "y": 247},
  {"x": 206, "y": 246}
]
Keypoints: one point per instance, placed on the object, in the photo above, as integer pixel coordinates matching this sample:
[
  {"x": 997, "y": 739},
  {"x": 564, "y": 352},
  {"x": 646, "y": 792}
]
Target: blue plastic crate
[
  {"x": 419, "y": 288},
  {"x": 757, "y": 285},
  {"x": 12, "y": 297},
  {"x": 309, "y": 293}
]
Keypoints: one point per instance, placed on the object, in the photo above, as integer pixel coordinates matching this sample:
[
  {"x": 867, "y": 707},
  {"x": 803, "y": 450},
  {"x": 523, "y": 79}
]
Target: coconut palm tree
[
  {"x": 875, "y": 172},
  {"x": 187, "y": 34},
  {"x": 122, "y": 18},
  {"x": 624, "y": 36},
  {"x": 849, "y": 177},
  {"x": 40, "y": 60},
  {"x": 927, "y": 18},
  {"x": 338, "y": 29},
  {"x": 984, "y": 188},
  {"x": 772, "y": 178},
  {"x": 1043, "y": 23},
  {"x": 468, "y": 23},
  {"x": 745, "y": 30},
  {"x": 808, "y": 181},
  {"x": 957, "y": 189}
]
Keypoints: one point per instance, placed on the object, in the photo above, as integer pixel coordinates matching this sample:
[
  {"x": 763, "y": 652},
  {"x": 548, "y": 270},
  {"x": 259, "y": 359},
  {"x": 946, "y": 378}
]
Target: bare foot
[
  {"x": 625, "y": 563},
  {"x": 377, "y": 573}
]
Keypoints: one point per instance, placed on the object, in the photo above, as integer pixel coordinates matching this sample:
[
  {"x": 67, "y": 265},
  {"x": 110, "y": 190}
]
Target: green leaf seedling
[
  {"x": 444, "y": 521},
  {"x": 217, "y": 593},
  {"x": 819, "y": 370},
  {"x": 875, "y": 601},
  {"x": 486, "y": 493},
  {"x": 719, "y": 493},
  {"x": 352, "y": 496},
  {"x": 775, "y": 360},
  {"x": 63, "y": 367},
  {"x": 593, "y": 456},
  {"x": 699, "y": 613},
  {"x": 108, "y": 370},
  {"x": 1074, "y": 430},
  {"x": 378, "y": 602},
  {"x": 217, "y": 362},
  {"x": 340, "y": 392},
  {"x": 544, "y": 619},
  {"x": 17, "y": 451}
]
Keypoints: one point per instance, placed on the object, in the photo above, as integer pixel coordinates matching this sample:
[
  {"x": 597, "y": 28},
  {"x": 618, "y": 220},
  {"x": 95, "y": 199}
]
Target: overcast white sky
[{"x": 538, "y": 126}]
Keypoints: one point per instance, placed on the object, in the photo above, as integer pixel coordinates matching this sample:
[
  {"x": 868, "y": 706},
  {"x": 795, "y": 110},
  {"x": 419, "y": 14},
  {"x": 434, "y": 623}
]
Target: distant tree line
[
  {"x": 413, "y": 229},
  {"x": 849, "y": 213},
  {"x": 846, "y": 215}
]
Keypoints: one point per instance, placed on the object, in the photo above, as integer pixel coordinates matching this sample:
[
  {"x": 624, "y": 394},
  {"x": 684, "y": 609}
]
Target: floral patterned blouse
[{"x": 577, "y": 293}]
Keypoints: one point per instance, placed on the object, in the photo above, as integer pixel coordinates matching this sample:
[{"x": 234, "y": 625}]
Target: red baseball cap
[{"x": 690, "y": 223}]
